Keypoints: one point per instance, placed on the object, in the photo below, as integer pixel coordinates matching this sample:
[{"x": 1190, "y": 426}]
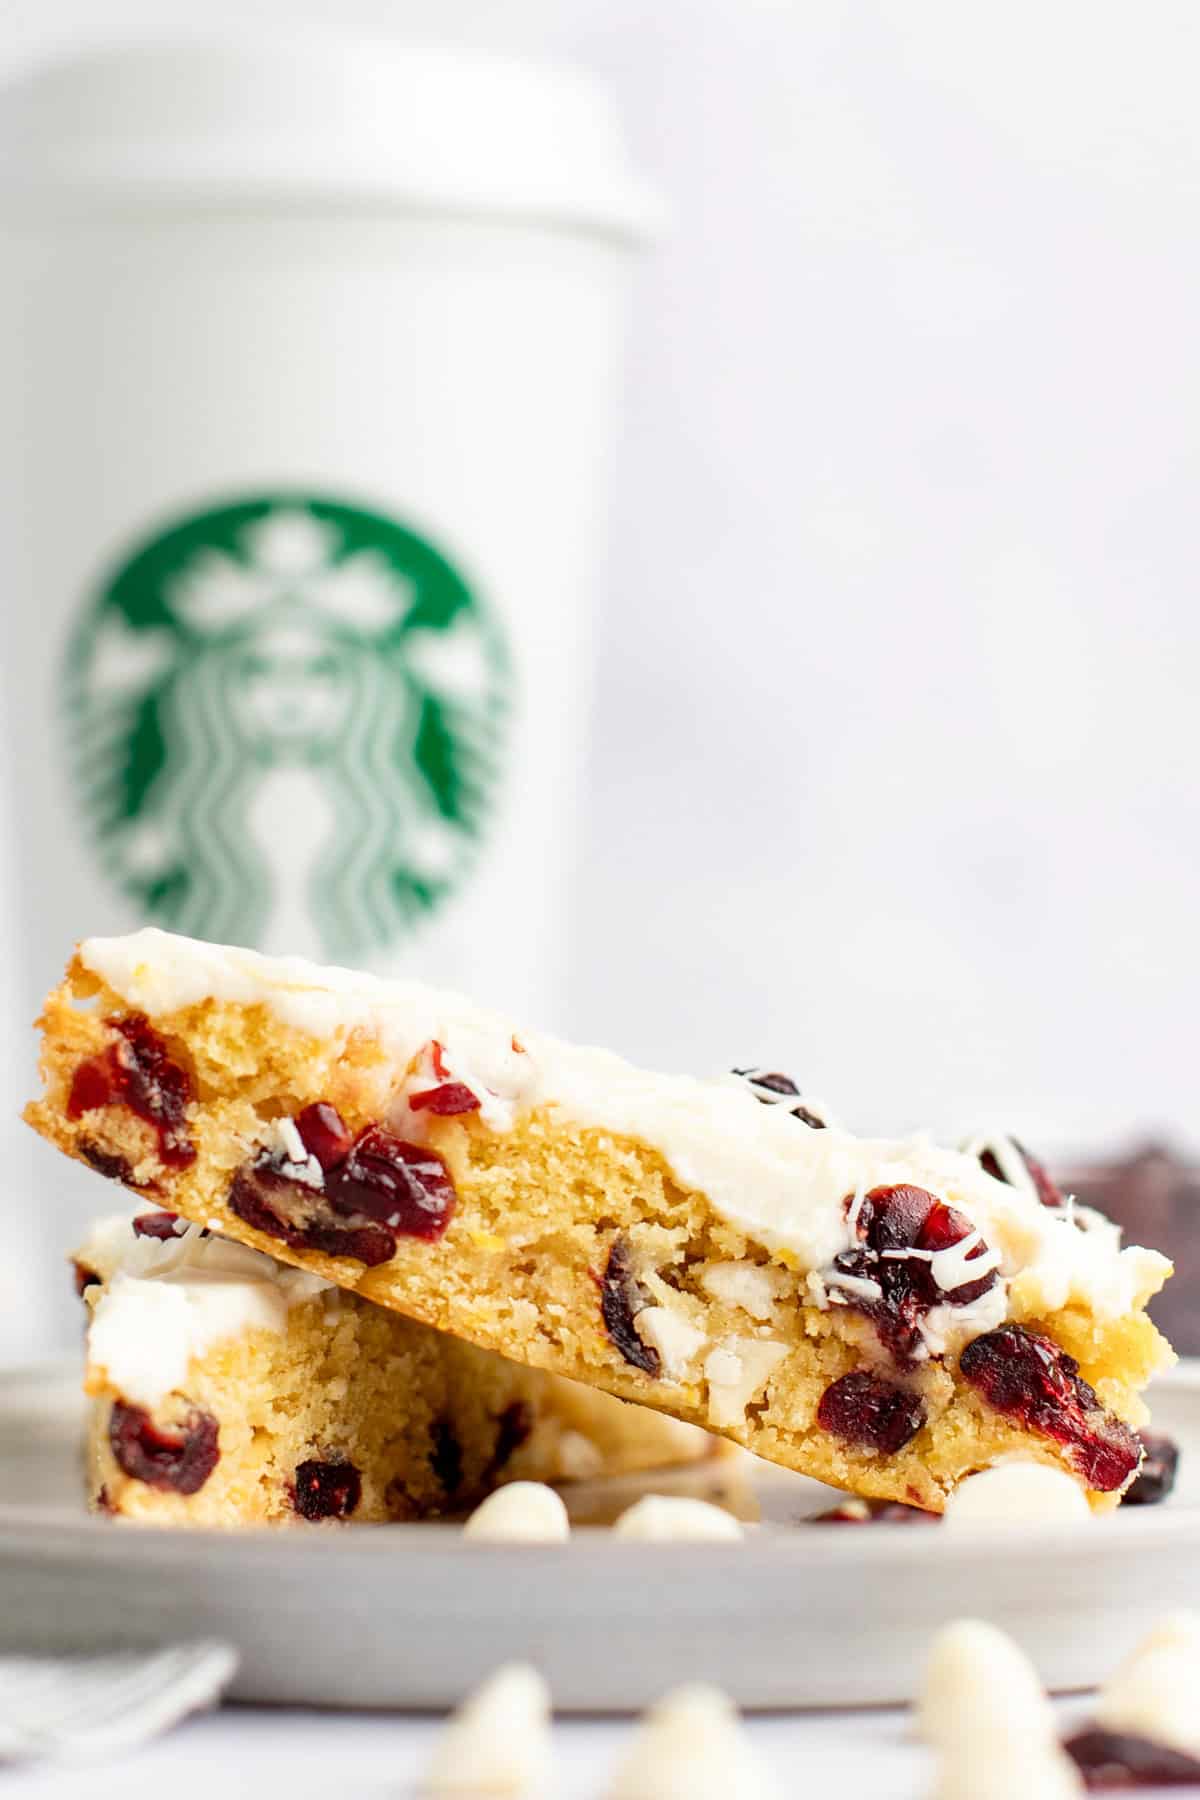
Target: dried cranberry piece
[
  {"x": 326, "y": 1490},
  {"x": 84, "y": 1277},
  {"x": 400, "y": 1185},
  {"x": 367, "y": 1244},
  {"x": 874, "y": 1512},
  {"x": 107, "y": 1163},
  {"x": 324, "y": 1133},
  {"x": 808, "y": 1118},
  {"x": 93, "y": 1085},
  {"x": 514, "y": 1427},
  {"x": 1048, "y": 1191},
  {"x": 621, "y": 1299},
  {"x": 377, "y": 1187},
  {"x": 891, "y": 1220},
  {"x": 446, "y": 1100},
  {"x": 289, "y": 1210},
  {"x": 861, "y": 1408},
  {"x": 1114, "y": 1759},
  {"x": 159, "y": 1225},
  {"x": 1156, "y": 1477},
  {"x": 1029, "y": 1378},
  {"x": 179, "y": 1461},
  {"x": 771, "y": 1088},
  {"x": 772, "y": 1080},
  {"x": 137, "y": 1072},
  {"x": 253, "y": 1195},
  {"x": 943, "y": 1228},
  {"x": 446, "y": 1457}
]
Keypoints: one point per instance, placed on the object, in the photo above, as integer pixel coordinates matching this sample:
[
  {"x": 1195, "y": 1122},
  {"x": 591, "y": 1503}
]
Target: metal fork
[{"x": 75, "y": 1708}]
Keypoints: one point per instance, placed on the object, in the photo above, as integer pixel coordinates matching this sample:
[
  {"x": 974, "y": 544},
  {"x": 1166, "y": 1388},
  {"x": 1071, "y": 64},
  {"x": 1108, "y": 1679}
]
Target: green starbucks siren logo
[{"x": 286, "y": 721}]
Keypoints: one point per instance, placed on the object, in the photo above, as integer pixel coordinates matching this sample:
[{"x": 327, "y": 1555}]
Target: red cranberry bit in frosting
[
  {"x": 178, "y": 1461},
  {"x": 1113, "y": 1759},
  {"x": 861, "y": 1408},
  {"x": 890, "y": 1221},
  {"x": 1030, "y": 1379},
  {"x": 771, "y": 1088},
  {"x": 137, "y": 1072},
  {"x": 159, "y": 1225},
  {"x": 450, "y": 1098},
  {"x": 1048, "y": 1191},
  {"x": 377, "y": 1187},
  {"x": 326, "y": 1490},
  {"x": 447, "y": 1097}
]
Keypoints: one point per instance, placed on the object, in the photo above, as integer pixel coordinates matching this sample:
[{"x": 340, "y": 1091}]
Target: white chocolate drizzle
[{"x": 782, "y": 1185}]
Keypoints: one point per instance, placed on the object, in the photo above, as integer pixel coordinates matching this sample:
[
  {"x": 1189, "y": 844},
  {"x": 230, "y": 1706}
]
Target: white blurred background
[{"x": 893, "y": 782}]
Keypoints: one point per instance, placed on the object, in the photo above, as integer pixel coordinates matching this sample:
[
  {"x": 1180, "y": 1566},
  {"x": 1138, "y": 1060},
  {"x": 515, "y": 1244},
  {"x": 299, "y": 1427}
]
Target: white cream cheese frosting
[
  {"x": 781, "y": 1183},
  {"x": 166, "y": 1301}
]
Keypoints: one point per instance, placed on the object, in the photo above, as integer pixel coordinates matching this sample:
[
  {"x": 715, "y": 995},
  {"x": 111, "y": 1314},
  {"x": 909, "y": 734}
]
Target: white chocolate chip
[
  {"x": 1175, "y": 1631},
  {"x": 664, "y": 1519},
  {"x": 289, "y": 1140},
  {"x": 524, "y": 1512},
  {"x": 690, "y": 1746},
  {"x": 578, "y": 1458},
  {"x": 736, "y": 1371},
  {"x": 750, "y": 1286},
  {"x": 1007, "y": 1768},
  {"x": 1017, "y": 1493},
  {"x": 1154, "y": 1696},
  {"x": 497, "y": 1743},
  {"x": 978, "y": 1681},
  {"x": 676, "y": 1341}
]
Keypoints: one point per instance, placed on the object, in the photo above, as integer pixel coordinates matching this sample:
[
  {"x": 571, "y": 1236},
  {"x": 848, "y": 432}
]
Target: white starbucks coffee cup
[{"x": 308, "y": 375}]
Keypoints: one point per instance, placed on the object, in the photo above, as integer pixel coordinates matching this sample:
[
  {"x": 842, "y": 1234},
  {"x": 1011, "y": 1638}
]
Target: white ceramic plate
[{"x": 411, "y": 1616}]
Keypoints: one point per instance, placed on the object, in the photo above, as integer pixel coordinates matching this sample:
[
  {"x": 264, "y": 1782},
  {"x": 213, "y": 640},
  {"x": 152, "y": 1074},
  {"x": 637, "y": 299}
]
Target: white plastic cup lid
[{"x": 320, "y": 121}]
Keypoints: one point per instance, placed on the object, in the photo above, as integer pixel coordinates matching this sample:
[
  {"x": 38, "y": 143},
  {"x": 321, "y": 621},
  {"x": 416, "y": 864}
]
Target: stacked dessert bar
[{"x": 432, "y": 1219}]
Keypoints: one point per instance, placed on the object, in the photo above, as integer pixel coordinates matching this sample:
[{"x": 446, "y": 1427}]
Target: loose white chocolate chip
[
  {"x": 690, "y": 1746},
  {"x": 1154, "y": 1696},
  {"x": 978, "y": 1681},
  {"x": 1174, "y": 1631},
  {"x": 1006, "y": 1768},
  {"x": 497, "y": 1743},
  {"x": 524, "y": 1512},
  {"x": 1017, "y": 1493},
  {"x": 665, "y": 1519}
]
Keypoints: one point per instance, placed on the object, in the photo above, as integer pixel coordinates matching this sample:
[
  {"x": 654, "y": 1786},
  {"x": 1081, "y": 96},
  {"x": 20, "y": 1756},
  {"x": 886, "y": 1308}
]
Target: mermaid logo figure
[{"x": 287, "y": 719}]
